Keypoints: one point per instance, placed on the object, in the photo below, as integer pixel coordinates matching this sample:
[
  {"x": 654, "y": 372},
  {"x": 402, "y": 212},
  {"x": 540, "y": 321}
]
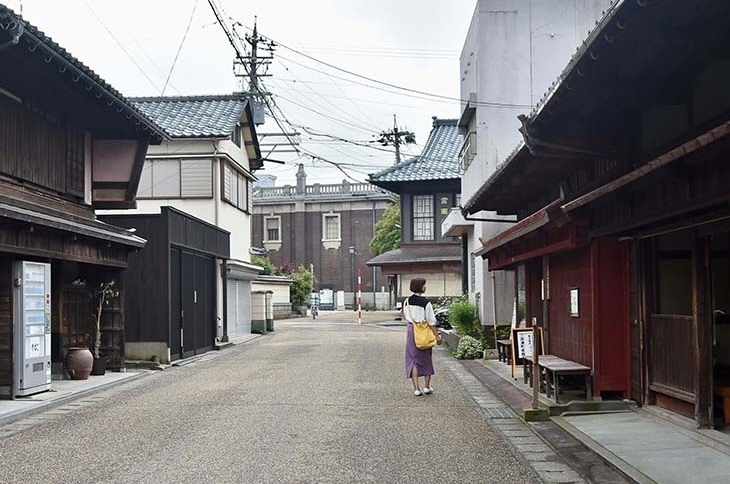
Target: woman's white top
[{"x": 412, "y": 313}]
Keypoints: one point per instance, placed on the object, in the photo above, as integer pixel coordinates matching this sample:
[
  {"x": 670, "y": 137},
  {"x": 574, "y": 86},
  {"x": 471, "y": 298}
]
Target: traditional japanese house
[
  {"x": 628, "y": 156},
  {"x": 205, "y": 170},
  {"x": 429, "y": 187},
  {"x": 69, "y": 143}
]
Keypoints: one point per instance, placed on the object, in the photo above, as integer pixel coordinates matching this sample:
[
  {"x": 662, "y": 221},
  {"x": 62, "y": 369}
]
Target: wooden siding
[
  {"x": 34, "y": 147},
  {"x": 671, "y": 357},
  {"x": 146, "y": 280},
  {"x": 191, "y": 233},
  {"x": 6, "y": 322},
  {"x": 59, "y": 245},
  {"x": 571, "y": 337}
]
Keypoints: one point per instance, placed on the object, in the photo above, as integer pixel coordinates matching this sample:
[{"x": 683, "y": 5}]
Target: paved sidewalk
[
  {"x": 62, "y": 391},
  {"x": 645, "y": 445}
]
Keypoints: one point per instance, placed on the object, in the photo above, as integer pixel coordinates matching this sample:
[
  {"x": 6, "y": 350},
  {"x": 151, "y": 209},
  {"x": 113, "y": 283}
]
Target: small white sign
[
  {"x": 524, "y": 344},
  {"x": 574, "y": 302}
]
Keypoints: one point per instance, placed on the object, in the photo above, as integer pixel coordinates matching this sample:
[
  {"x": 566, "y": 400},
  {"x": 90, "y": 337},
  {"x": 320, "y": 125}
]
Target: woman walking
[{"x": 418, "y": 362}]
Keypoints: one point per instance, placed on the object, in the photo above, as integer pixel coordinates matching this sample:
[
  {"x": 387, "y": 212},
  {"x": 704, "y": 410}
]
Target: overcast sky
[{"x": 411, "y": 43}]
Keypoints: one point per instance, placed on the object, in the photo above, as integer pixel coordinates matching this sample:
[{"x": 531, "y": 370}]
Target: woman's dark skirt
[{"x": 420, "y": 359}]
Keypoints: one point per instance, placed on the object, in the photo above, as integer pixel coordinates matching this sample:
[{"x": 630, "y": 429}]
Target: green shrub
[
  {"x": 301, "y": 286},
  {"x": 463, "y": 317},
  {"x": 469, "y": 348},
  {"x": 265, "y": 262}
]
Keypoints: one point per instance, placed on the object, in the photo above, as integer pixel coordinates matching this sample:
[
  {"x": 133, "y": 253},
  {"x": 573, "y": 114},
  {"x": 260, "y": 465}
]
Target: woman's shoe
[
  {"x": 418, "y": 393},
  {"x": 427, "y": 391}
]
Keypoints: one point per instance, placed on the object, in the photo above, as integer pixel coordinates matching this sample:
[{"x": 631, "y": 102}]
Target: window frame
[
  {"x": 266, "y": 229},
  {"x": 336, "y": 216},
  {"x": 181, "y": 195},
  {"x": 243, "y": 191},
  {"x": 415, "y": 218}
]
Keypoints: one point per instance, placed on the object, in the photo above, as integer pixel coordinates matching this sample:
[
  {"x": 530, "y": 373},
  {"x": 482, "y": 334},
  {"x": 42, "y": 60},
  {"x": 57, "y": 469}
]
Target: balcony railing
[{"x": 333, "y": 190}]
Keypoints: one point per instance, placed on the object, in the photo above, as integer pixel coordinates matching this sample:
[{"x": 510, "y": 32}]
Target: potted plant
[{"x": 101, "y": 295}]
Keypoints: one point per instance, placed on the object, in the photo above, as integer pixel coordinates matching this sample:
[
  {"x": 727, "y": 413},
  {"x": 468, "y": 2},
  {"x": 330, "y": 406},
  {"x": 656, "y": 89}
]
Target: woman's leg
[
  {"x": 414, "y": 377},
  {"x": 428, "y": 381}
]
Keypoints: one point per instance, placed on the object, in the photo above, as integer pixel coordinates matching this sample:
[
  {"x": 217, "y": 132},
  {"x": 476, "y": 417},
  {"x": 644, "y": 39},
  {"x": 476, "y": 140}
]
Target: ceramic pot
[{"x": 78, "y": 363}]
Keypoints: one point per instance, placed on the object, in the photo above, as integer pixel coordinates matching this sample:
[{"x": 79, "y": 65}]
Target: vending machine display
[{"x": 32, "y": 327}]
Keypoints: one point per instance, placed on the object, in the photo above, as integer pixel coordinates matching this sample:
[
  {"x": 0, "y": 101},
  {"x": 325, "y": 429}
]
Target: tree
[
  {"x": 387, "y": 231},
  {"x": 100, "y": 296},
  {"x": 301, "y": 286}
]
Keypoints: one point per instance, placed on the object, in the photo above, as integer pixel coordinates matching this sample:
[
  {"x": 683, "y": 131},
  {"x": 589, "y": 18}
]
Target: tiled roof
[
  {"x": 414, "y": 254},
  {"x": 439, "y": 159},
  {"x": 32, "y": 38},
  {"x": 194, "y": 116}
]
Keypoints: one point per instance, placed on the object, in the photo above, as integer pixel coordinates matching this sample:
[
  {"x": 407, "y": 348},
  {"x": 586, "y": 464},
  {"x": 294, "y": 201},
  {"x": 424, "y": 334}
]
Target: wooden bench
[
  {"x": 555, "y": 367},
  {"x": 504, "y": 350}
]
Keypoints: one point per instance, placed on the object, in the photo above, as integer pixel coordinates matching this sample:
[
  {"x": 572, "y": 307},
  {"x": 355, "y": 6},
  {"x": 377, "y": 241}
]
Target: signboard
[{"x": 523, "y": 345}]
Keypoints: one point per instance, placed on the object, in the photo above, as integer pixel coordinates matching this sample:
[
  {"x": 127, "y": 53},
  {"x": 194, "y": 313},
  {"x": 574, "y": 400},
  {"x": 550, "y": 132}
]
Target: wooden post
[
  {"x": 535, "y": 366},
  {"x": 702, "y": 344}
]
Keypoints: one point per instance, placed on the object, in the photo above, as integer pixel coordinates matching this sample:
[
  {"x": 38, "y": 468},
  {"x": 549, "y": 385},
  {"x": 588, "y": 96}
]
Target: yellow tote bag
[{"x": 422, "y": 333}]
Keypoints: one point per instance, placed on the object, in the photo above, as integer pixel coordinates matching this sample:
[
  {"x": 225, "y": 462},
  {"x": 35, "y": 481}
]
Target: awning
[
  {"x": 413, "y": 254},
  {"x": 54, "y": 219},
  {"x": 525, "y": 226}
]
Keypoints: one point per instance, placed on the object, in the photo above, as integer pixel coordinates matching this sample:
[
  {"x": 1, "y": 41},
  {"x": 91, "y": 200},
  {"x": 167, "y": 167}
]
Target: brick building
[{"x": 325, "y": 227}]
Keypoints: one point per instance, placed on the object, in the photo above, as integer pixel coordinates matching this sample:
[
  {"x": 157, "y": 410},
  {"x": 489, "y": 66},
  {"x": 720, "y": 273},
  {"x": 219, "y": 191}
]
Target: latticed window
[
  {"x": 273, "y": 226},
  {"x": 423, "y": 217},
  {"x": 331, "y": 227}
]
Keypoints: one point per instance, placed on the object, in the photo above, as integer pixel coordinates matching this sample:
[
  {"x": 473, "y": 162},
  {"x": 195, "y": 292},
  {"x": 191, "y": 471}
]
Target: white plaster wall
[
  {"x": 513, "y": 52},
  {"x": 281, "y": 291},
  {"x": 238, "y": 223}
]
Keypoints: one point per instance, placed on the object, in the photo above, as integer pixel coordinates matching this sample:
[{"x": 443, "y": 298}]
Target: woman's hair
[{"x": 417, "y": 285}]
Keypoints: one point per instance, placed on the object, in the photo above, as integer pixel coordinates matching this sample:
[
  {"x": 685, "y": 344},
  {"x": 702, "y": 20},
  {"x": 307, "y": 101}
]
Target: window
[
  {"x": 236, "y": 188},
  {"x": 423, "y": 217},
  {"x": 236, "y": 135},
  {"x": 331, "y": 227},
  {"x": 176, "y": 179},
  {"x": 272, "y": 229}
]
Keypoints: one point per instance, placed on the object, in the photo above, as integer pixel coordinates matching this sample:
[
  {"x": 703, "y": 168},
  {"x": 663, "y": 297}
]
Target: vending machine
[{"x": 32, "y": 283}]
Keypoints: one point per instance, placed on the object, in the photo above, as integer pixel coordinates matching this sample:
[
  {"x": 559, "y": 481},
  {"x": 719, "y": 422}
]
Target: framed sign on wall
[{"x": 574, "y": 313}]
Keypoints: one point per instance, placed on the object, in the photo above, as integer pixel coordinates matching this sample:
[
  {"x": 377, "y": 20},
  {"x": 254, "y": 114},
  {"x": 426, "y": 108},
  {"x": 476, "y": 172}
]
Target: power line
[
  {"x": 179, "y": 48},
  {"x": 120, "y": 45},
  {"x": 323, "y": 98},
  {"x": 395, "y": 86}
]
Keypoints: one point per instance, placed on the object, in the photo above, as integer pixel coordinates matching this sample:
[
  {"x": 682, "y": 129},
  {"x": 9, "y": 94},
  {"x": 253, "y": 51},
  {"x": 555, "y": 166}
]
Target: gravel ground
[{"x": 315, "y": 402}]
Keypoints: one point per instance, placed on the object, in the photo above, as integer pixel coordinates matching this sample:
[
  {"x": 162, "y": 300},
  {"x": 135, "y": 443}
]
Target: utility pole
[
  {"x": 253, "y": 67},
  {"x": 395, "y": 138}
]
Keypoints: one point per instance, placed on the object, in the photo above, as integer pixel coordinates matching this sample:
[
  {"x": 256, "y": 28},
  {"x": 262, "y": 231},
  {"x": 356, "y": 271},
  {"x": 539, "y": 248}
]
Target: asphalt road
[{"x": 315, "y": 402}]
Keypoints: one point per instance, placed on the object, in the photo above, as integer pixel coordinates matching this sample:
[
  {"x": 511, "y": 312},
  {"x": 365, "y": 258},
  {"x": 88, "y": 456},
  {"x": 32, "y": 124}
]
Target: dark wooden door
[
  {"x": 188, "y": 296},
  {"x": 175, "y": 305},
  {"x": 204, "y": 291}
]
